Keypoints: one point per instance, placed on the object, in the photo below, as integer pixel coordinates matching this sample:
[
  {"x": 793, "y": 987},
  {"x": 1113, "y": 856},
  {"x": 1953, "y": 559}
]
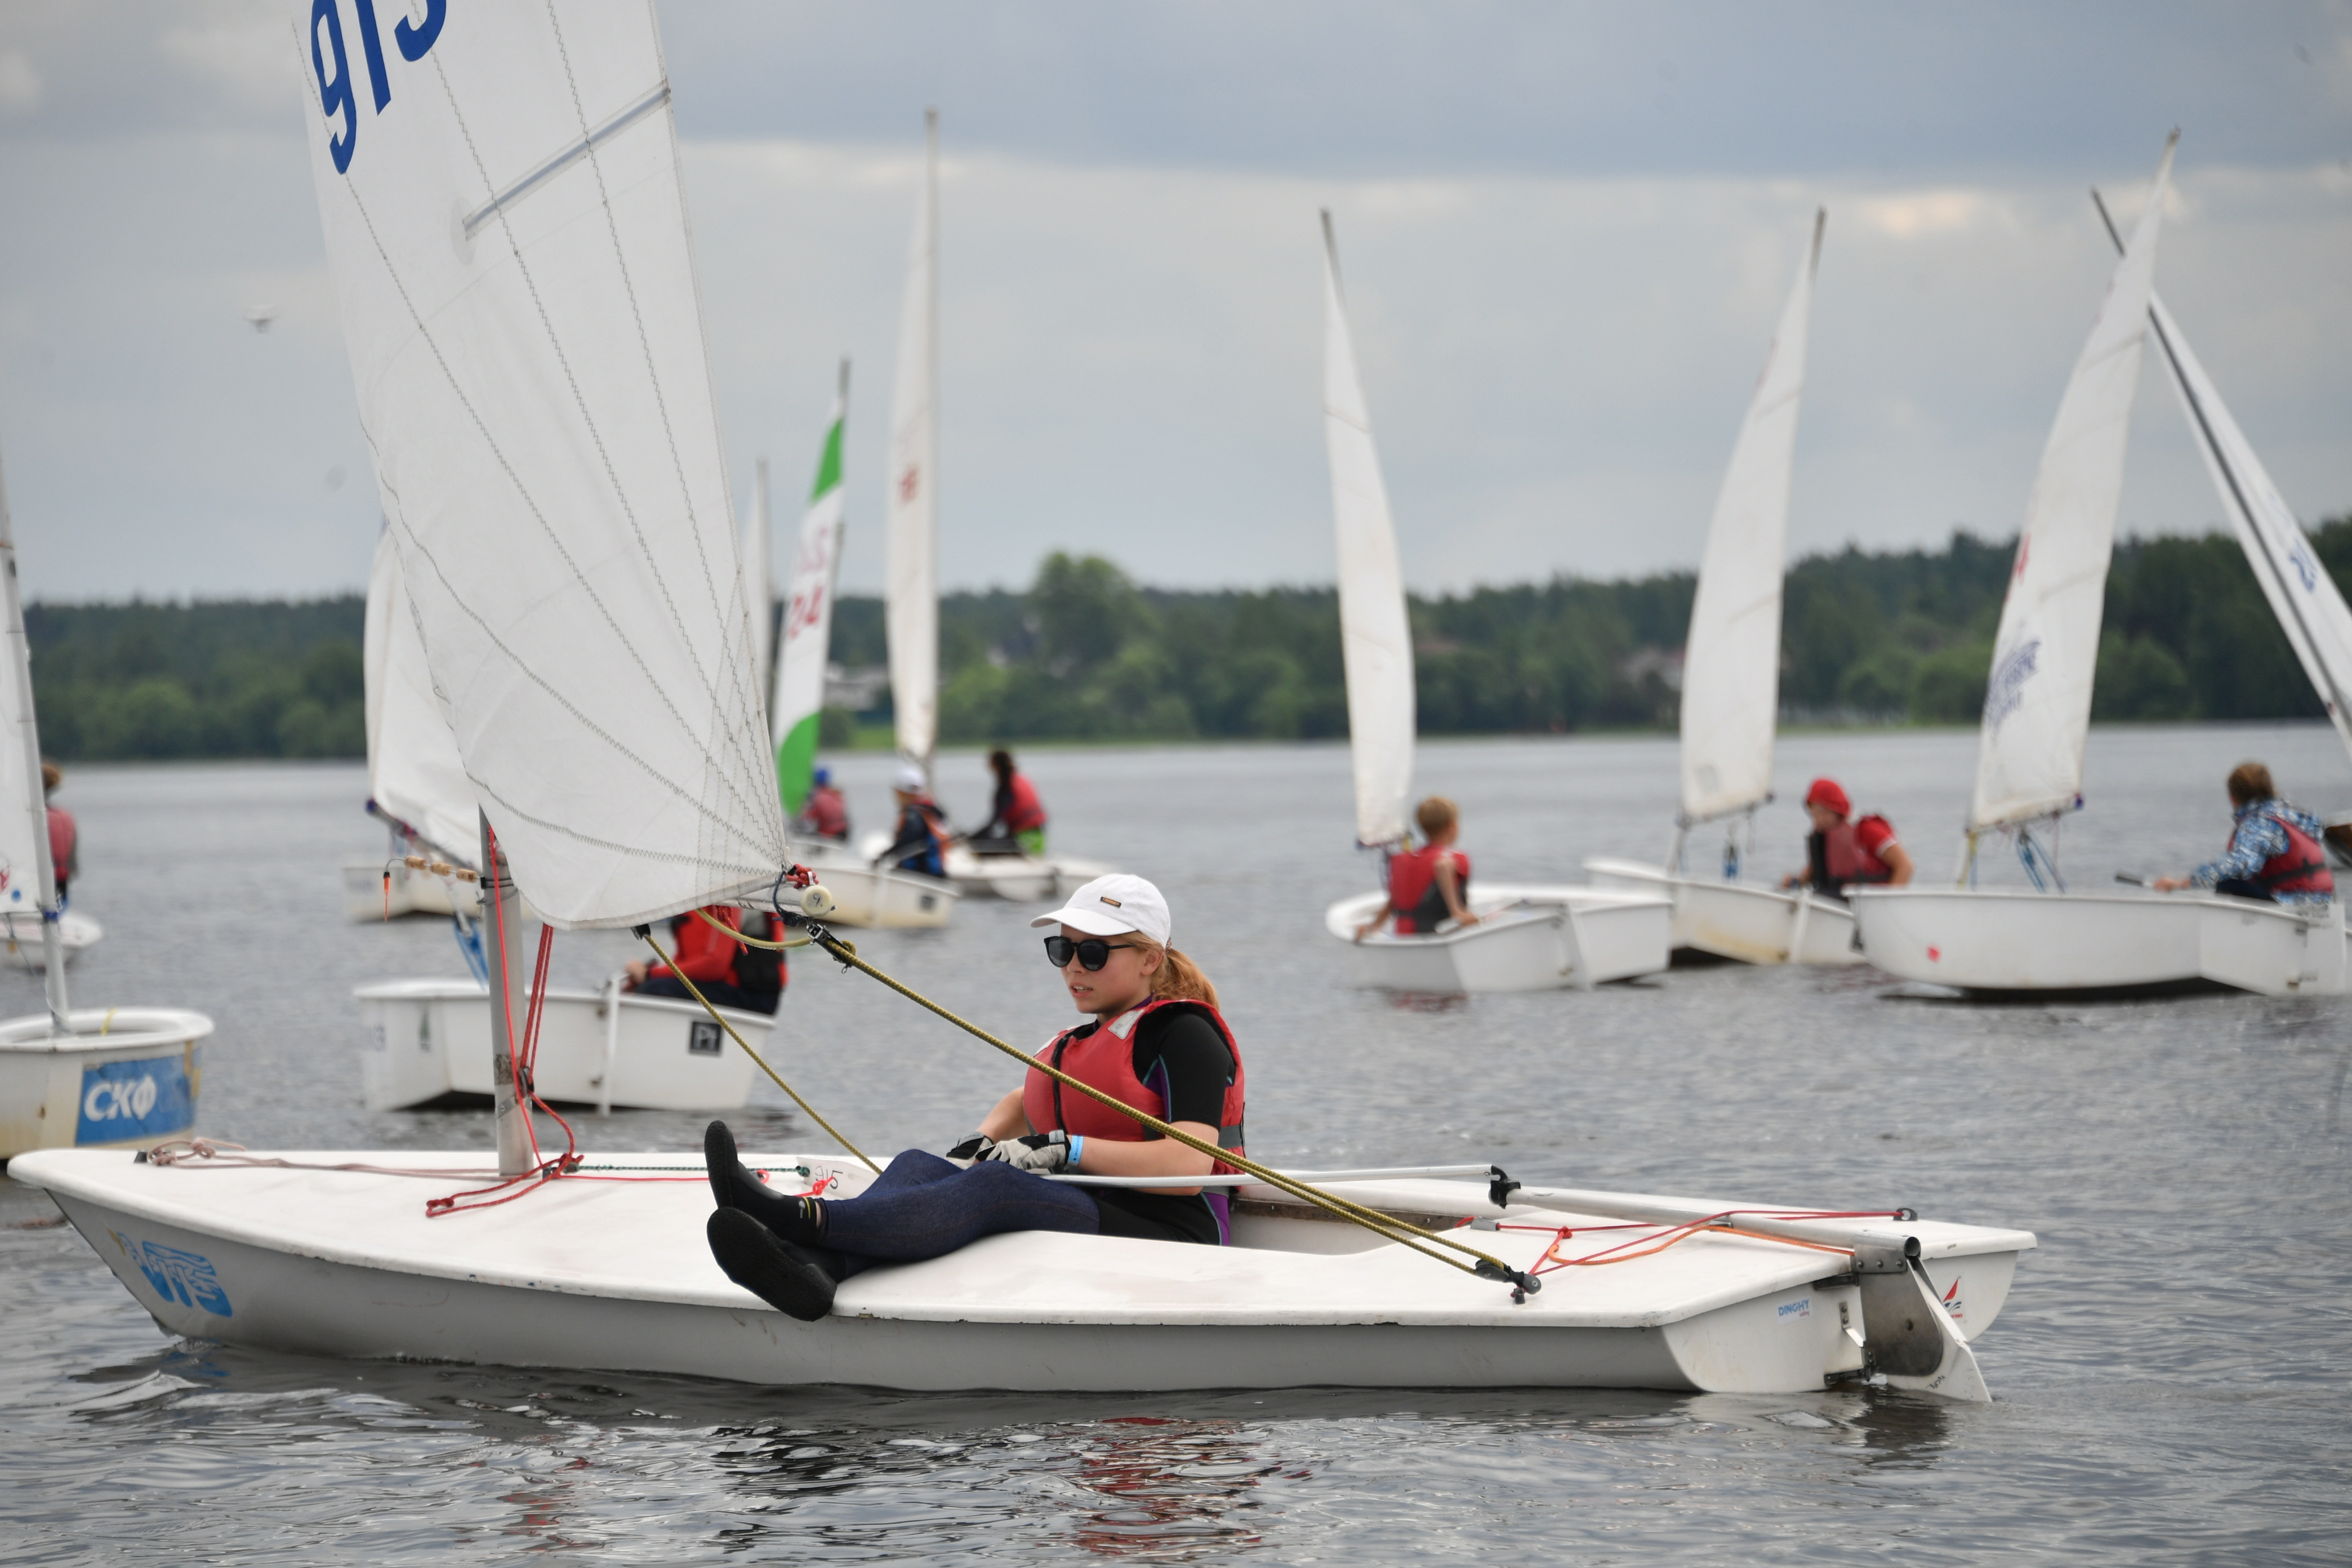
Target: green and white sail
[{"x": 808, "y": 618}]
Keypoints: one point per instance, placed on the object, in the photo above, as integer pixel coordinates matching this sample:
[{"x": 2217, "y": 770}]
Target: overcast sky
[{"x": 1567, "y": 231}]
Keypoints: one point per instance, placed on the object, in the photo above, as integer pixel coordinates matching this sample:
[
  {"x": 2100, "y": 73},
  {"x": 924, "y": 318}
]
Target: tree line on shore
[{"x": 1084, "y": 653}]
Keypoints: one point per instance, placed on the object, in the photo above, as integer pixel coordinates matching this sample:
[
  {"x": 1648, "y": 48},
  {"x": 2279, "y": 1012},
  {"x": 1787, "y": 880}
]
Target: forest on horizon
[{"x": 1084, "y": 653}]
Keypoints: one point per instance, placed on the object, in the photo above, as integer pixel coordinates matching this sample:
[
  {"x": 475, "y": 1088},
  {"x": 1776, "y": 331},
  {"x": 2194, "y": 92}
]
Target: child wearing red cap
[{"x": 1839, "y": 854}]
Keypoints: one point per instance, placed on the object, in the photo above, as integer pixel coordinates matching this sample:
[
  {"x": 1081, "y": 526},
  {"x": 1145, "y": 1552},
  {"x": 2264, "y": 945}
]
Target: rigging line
[
  {"x": 730, "y": 655},
  {"x": 531, "y": 283},
  {"x": 2230, "y": 475},
  {"x": 697, "y": 991},
  {"x": 569, "y": 707},
  {"x": 1412, "y": 1237}
]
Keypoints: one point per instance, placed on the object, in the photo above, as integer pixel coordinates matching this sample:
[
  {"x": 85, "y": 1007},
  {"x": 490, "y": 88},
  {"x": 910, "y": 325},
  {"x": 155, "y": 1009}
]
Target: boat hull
[
  {"x": 412, "y": 892},
  {"x": 2003, "y": 942},
  {"x": 1741, "y": 920},
  {"x": 1022, "y": 879},
  {"x": 127, "y": 1076},
  {"x": 1530, "y": 937},
  {"x": 613, "y": 1275},
  {"x": 868, "y": 896},
  {"x": 428, "y": 1042},
  {"x": 26, "y": 949}
]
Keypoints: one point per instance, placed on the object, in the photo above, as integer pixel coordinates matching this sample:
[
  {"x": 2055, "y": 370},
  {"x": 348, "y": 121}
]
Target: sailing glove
[
  {"x": 1039, "y": 1151},
  {"x": 975, "y": 1147}
]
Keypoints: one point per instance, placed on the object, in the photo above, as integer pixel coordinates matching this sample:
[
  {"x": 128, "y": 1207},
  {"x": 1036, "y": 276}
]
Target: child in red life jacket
[
  {"x": 2276, "y": 850},
  {"x": 728, "y": 974},
  {"x": 1154, "y": 1041},
  {"x": 1431, "y": 884},
  {"x": 1840, "y": 853}
]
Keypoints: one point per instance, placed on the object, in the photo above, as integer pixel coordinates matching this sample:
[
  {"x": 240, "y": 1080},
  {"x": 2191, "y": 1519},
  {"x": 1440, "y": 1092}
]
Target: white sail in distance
[
  {"x": 28, "y": 880},
  {"x": 2037, "y": 712},
  {"x": 1375, "y": 635},
  {"x": 1731, "y": 664},
  {"x": 499, "y": 192},
  {"x": 911, "y": 522},
  {"x": 808, "y": 617},
  {"x": 414, "y": 773}
]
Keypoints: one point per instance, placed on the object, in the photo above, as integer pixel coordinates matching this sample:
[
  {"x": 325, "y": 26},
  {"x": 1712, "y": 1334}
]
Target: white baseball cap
[
  {"x": 1110, "y": 905},
  {"x": 911, "y": 780}
]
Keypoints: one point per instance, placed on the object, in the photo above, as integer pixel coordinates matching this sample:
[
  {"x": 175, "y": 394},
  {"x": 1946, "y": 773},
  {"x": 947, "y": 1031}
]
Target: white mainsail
[
  {"x": 2309, "y": 606},
  {"x": 413, "y": 770},
  {"x": 1375, "y": 636},
  {"x": 2037, "y": 711},
  {"x": 759, "y": 577},
  {"x": 1731, "y": 665},
  {"x": 808, "y": 617},
  {"x": 499, "y": 191},
  {"x": 28, "y": 880},
  {"x": 911, "y": 527}
]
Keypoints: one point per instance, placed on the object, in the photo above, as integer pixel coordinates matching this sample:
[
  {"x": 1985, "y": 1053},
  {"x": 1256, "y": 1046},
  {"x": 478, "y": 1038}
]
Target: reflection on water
[{"x": 2169, "y": 1372}]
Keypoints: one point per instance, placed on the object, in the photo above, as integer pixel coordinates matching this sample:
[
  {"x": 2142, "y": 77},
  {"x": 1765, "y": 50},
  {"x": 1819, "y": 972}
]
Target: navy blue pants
[{"x": 924, "y": 1207}]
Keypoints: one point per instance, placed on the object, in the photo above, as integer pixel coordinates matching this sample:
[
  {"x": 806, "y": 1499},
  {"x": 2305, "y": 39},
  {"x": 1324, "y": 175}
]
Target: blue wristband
[{"x": 1077, "y": 1151}]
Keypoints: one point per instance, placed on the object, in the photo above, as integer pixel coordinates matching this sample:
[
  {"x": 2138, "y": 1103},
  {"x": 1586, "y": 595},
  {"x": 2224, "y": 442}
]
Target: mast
[
  {"x": 502, "y": 913},
  {"x": 28, "y": 746}
]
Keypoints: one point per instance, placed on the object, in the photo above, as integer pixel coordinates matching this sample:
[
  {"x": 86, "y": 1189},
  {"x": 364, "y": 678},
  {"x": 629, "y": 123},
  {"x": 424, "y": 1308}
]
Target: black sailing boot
[
  {"x": 785, "y": 1276},
  {"x": 794, "y": 1219}
]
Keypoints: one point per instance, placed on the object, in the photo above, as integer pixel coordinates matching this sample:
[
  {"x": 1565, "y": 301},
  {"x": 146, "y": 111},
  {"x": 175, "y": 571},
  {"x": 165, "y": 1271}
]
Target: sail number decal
[
  {"x": 2004, "y": 692},
  {"x": 338, "y": 100}
]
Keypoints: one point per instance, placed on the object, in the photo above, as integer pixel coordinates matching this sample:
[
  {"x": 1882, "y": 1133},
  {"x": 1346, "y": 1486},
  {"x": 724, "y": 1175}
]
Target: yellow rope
[
  {"x": 696, "y": 992},
  {"x": 1414, "y": 1236}
]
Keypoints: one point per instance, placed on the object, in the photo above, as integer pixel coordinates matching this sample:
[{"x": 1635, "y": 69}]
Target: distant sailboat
[
  {"x": 102, "y": 1077},
  {"x": 2037, "y": 719},
  {"x": 797, "y": 710},
  {"x": 1731, "y": 683},
  {"x": 1526, "y": 938}
]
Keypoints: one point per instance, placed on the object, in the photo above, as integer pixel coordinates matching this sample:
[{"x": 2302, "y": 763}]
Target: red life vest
[
  {"x": 1846, "y": 860},
  {"x": 1105, "y": 1060},
  {"x": 62, "y": 844},
  {"x": 1026, "y": 811},
  {"x": 2302, "y": 868},
  {"x": 825, "y": 812},
  {"x": 1413, "y": 892}
]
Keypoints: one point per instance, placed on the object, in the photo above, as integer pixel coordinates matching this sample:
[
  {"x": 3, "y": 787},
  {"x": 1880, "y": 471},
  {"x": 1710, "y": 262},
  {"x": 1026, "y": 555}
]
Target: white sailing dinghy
[
  {"x": 627, "y": 775},
  {"x": 1731, "y": 685},
  {"x": 427, "y": 1041},
  {"x": 868, "y": 892},
  {"x": 1527, "y": 937},
  {"x": 102, "y": 1077},
  {"x": 913, "y": 608},
  {"x": 2037, "y": 716}
]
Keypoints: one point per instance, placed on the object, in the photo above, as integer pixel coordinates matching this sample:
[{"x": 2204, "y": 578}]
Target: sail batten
[
  {"x": 1731, "y": 665},
  {"x": 911, "y": 520},
  {"x": 2037, "y": 711},
  {"x": 1375, "y": 634},
  {"x": 536, "y": 396}
]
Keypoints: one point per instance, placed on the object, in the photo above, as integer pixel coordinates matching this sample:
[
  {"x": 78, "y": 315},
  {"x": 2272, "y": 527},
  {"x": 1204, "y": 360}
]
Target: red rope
[{"x": 1674, "y": 1235}]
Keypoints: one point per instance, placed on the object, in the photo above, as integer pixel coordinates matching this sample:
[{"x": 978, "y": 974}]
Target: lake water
[{"x": 2171, "y": 1373}]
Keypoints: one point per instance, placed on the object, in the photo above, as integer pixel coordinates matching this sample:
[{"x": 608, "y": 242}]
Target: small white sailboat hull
[
  {"x": 1741, "y": 921},
  {"x": 615, "y": 1275},
  {"x": 125, "y": 1076},
  {"x": 2017, "y": 941},
  {"x": 1530, "y": 937},
  {"x": 429, "y": 1039},
  {"x": 1021, "y": 879},
  {"x": 412, "y": 892},
  {"x": 869, "y": 895},
  {"x": 74, "y": 932}
]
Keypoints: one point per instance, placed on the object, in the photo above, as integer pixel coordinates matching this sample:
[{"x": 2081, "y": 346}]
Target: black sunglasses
[{"x": 1092, "y": 953}]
